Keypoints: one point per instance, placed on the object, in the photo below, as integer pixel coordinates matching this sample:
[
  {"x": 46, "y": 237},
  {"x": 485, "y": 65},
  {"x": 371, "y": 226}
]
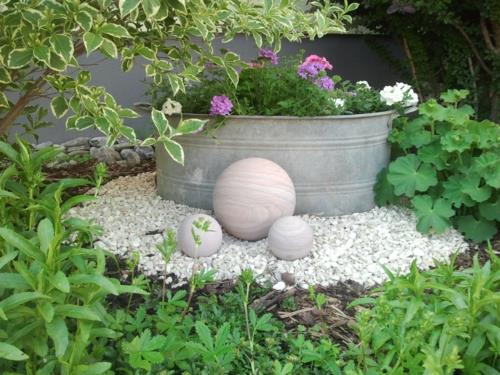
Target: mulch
[{"x": 335, "y": 319}]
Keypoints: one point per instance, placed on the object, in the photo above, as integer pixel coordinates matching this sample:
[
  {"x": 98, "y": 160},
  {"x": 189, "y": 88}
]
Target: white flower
[
  {"x": 363, "y": 83},
  {"x": 339, "y": 103},
  {"x": 390, "y": 95},
  {"x": 411, "y": 98},
  {"x": 170, "y": 107},
  {"x": 399, "y": 93}
]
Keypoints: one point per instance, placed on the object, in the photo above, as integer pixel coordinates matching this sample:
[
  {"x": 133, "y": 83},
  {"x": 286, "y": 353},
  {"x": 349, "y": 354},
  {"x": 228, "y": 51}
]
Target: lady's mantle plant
[
  {"x": 289, "y": 86},
  {"x": 41, "y": 40},
  {"x": 449, "y": 171}
]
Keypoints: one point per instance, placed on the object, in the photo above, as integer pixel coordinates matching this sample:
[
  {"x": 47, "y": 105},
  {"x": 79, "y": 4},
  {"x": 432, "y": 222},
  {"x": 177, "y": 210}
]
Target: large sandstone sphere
[
  {"x": 250, "y": 195},
  {"x": 208, "y": 234},
  {"x": 290, "y": 238}
]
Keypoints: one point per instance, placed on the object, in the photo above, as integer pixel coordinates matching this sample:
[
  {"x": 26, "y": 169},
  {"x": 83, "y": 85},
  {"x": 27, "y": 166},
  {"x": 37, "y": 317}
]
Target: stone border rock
[{"x": 122, "y": 152}]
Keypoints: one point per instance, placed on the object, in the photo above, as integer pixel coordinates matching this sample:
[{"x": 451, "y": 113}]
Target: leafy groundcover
[
  {"x": 69, "y": 308},
  {"x": 448, "y": 168}
]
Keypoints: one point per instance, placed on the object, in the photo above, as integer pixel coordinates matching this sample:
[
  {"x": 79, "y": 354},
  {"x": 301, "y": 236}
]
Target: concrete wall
[{"x": 351, "y": 56}]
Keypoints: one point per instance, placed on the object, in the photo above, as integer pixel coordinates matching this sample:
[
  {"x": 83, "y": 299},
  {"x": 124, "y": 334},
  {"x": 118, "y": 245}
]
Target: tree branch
[
  {"x": 30, "y": 94},
  {"x": 413, "y": 68},
  {"x": 18, "y": 108},
  {"x": 474, "y": 49},
  {"x": 487, "y": 36}
]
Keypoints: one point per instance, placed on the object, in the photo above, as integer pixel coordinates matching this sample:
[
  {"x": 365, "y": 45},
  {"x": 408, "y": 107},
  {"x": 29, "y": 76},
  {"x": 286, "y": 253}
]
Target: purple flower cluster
[
  {"x": 309, "y": 70},
  {"x": 220, "y": 105},
  {"x": 324, "y": 82},
  {"x": 314, "y": 66},
  {"x": 269, "y": 54}
]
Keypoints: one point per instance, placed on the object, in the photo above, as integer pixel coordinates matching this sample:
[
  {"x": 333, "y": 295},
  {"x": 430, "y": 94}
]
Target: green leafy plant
[
  {"x": 282, "y": 370},
  {"x": 100, "y": 173},
  {"x": 435, "y": 322},
  {"x": 213, "y": 336},
  {"x": 145, "y": 350},
  {"x": 253, "y": 323},
  {"x": 166, "y": 133},
  {"x": 319, "y": 299},
  {"x": 52, "y": 286},
  {"x": 34, "y": 121},
  {"x": 198, "y": 280},
  {"x": 166, "y": 249},
  {"x": 285, "y": 88},
  {"x": 448, "y": 171},
  {"x": 217, "y": 352},
  {"x": 41, "y": 42}
]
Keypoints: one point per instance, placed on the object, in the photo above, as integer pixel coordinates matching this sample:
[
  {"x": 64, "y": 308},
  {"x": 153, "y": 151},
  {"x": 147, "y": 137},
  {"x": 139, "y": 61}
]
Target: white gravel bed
[{"x": 345, "y": 247}]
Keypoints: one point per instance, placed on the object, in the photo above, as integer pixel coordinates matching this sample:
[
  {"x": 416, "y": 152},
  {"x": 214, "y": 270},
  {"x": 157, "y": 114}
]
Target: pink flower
[{"x": 315, "y": 59}]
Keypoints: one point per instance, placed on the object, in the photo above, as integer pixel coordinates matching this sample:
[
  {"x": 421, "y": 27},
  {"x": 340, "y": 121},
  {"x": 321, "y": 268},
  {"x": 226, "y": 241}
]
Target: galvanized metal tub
[{"x": 332, "y": 160}]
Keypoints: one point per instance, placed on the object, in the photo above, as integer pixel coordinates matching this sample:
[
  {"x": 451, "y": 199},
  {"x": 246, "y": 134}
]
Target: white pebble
[
  {"x": 280, "y": 285},
  {"x": 345, "y": 247}
]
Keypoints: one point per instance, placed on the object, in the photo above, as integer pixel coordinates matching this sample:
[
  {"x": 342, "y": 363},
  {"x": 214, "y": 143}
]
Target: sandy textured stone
[
  {"x": 290, "y": 238},
  {"x": 250, "y": 195},
  {"x": 211, "y": 240}
]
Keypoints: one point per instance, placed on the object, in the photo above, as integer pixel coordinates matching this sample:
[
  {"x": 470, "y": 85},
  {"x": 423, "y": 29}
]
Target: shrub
[
  {"x": 449, "y": 172},
  {"x": 435, "y": 322},
  {"x": 41, "y": 41},
  {"x": 52, "y": 286}
]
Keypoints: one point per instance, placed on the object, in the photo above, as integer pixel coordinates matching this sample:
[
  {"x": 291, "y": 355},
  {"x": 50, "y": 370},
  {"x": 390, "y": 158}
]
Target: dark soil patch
[
  {"x": 86, "y": 170},
  {"x": 465, "y": 259}
]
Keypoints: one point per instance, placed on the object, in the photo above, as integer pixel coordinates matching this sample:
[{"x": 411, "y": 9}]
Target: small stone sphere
[
  {"x": 209, "y": 241},
  {"x": 250, "y": 195},
  {"x": 290, "y": 238}
]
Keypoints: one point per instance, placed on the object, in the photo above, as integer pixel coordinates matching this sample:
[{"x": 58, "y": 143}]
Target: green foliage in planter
[
  {"x": 268, "y": 89},
  {"x": 442, "y": 322},
  {"x": 449, "y": 168},
  {"x": 52, "y": 286},
  {"x": 40, "y": 42}
]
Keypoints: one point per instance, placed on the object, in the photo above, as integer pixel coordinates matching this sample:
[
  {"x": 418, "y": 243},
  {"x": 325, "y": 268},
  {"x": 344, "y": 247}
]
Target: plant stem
[
  {"x": 190, "y": 298},
  {"x": 247, "y": 323},
  {"x": 164, "y": 283},
  {"x": 130, "y": 295}
]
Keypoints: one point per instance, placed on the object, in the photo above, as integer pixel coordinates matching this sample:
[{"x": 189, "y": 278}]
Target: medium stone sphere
[
  {"x": 207, "y": 232},
  {"x": 290, "y": 238},
  {"x": 250, "y": 195}
]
